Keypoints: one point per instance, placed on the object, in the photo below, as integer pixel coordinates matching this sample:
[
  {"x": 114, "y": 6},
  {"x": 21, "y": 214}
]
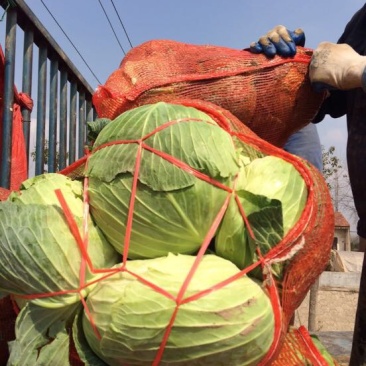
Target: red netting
[
  {"x": 19, "y": 166},
  {"x": 4, "y": 193},
  {"x": 298, "y": 350},
  {"x": 303, "y": 240},
  {"x": 260, "y": 92},
  {"x": 306, "y": 246},
  {"x": 317, "y": 220},
  {"x": 239, "y": 83}
]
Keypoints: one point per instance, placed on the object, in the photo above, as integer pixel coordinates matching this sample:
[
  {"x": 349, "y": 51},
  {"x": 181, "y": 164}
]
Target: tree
[
  {"x": 45, "y": 156},
  {"x": 331, "y": 165},
  {"x": 338, "y": 183}
]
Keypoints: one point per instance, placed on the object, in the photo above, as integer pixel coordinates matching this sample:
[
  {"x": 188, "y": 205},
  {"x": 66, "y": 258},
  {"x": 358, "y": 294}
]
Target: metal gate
[{"x": 55, "y": 131}]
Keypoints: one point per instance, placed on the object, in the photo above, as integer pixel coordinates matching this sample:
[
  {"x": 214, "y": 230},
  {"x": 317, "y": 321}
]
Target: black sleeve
[
  {"x": 354, "y": 35},
  {"x": 355, "y": 30},
  {"x": 335, "y": 106}
]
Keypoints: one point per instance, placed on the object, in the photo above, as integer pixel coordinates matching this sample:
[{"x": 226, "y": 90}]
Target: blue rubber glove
[{"x": 279, "y": 41}]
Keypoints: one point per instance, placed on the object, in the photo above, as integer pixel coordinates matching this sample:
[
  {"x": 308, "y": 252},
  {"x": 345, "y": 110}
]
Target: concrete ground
[
  {"x": 338, "y": 345},
  {"x": 335, "y": 313}
]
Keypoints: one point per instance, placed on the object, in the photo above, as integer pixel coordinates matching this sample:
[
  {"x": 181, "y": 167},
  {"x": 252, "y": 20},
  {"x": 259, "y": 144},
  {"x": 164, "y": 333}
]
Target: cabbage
[
  {"x": 232, "y": 325},
  {"x": 41, "y": 190},
  {"x": 42, "y": 336},
  {"x": 277, "y": 179},
  {"x": 38, "y": 254},
  {"x": 273, "y": 195},
  {"x": 173, "y": 208}
]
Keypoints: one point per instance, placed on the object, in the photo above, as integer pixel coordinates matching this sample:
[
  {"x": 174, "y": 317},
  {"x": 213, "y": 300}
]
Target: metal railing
[{"x": 62, "y": 97}]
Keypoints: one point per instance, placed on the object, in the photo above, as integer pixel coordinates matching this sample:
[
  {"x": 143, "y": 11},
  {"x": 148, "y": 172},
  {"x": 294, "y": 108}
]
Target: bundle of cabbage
[
  {"x": 159, "y": 177},
  {"x": 39, "y": 256},
  {"x": 126, "y": 321},
  {"x": 159, "y": 174},
  {"x": 179, "y": 156}
]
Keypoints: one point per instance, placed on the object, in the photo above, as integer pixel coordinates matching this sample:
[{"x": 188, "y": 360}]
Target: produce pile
[{"x": 158, "y": 256}]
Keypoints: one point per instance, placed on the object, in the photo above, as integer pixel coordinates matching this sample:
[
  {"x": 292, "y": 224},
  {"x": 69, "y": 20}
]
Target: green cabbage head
[
  {"x": 38, "y": 254},
  {"x": 173, "y": 209},
  {"x": 273, "y": 195},
  {"x": 232, "y": 325}
]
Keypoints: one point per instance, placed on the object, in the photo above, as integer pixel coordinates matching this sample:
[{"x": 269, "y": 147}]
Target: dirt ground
[{"x": 335, "y": 311}]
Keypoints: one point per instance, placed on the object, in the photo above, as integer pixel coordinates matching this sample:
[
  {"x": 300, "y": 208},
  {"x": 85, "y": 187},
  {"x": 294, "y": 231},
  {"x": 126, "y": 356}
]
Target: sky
[{"x": 229, "y": 23}]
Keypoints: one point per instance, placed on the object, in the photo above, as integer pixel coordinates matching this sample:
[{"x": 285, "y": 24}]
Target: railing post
[
  {"x": 66, "y": 135},
  {"x": 63, "y": 120},
  {"x": 72, "y": 130},
  {"x": 313, "y": 304},
  {"x": 52, "y": 129},
  {"x": 82, "y": 126},
  {"x": 41, "y": 109},
  {"x": 27, "y": 83}
]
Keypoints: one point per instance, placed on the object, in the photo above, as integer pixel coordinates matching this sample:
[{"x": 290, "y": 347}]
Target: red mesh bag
[
  {"x": 306, "y": 255},
  {"x": 260, "y": 92},
  {"x": 4, "y": 193},
  {"x": 19, "y": 166},
  {"x": 298, "y": 349},
  {"x": 317, "y": 220}
]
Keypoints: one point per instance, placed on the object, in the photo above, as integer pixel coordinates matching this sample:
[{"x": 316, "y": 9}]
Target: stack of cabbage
[{"x": 160, "y": 177}]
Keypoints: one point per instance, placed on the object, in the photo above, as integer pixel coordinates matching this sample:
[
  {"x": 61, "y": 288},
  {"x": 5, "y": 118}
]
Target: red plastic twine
[
  {"x": 264, "y": 261},
  {"x": 315, "y": 353},
  {"x": 210, "y": 234}
]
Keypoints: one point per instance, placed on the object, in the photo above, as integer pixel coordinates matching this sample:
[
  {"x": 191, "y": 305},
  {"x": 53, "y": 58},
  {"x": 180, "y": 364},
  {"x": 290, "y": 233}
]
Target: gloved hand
[
  {"x": 337, "y": 66},
  {"x": 280, "y": 41}
]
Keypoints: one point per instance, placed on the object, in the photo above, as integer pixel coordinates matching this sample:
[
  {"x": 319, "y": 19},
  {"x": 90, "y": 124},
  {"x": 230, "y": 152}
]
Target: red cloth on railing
[{"x": 19, "y": 166}]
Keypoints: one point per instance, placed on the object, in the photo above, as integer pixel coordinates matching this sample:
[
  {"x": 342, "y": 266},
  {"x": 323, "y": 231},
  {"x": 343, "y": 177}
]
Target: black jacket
[{"x": 353, "y": 104}]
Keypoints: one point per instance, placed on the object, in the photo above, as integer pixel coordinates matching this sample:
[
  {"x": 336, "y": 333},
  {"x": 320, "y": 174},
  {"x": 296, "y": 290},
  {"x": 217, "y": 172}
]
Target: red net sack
[
  {"x": 315, "y": 224},
  {"x": 4, "y": 193},
  {"x": 305, "y": 248},
  {"x": 298, "y": 349},
  {"x": 301, "y": 249},
  {"x": 19, "y": 166},
  {"x": 260, "y": 92}
]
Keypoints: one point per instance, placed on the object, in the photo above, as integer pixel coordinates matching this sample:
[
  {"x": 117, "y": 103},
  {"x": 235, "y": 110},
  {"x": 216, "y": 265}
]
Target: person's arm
[
  {"x": 337, "y": 66},
  {"x": 333, "y": 66}
]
